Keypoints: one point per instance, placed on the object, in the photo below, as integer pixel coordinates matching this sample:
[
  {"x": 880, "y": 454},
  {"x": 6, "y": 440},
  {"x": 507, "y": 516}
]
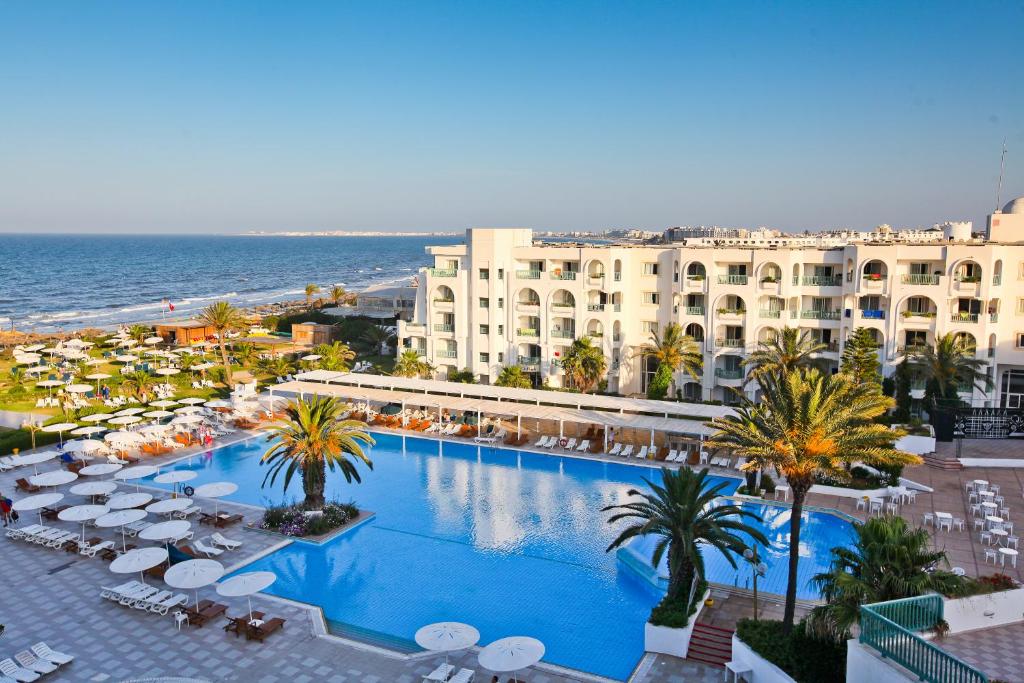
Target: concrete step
[{"x": 710, "y": 644}]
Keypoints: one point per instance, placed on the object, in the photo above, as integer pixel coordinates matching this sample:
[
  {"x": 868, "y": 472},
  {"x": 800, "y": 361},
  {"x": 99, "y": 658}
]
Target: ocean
[{"x": 64, "y": 282}]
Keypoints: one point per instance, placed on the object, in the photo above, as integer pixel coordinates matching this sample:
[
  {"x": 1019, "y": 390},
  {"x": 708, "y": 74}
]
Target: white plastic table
[
  {"x": 981, "y": 482},
  {"x": 783, "y": 489},
  {"x": 989, "y": 504},
  {"x": 1000, "y": 535},
  {"x": 733, "y": 670},
  {"x": 1008, "y": 552}
]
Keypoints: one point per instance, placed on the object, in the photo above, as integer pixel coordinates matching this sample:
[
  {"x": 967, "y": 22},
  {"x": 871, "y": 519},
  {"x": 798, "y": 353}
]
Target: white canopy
[
  {"x": 96, "y": 417},
  {"x": 78, "y": 388},
  {"x": 125, "y": 420},
  {"x": 163, "y": 403},
  {"x": 120, "y": 518},
  {"x": 157, "y": 414},
  {"x": 216, "y": 489},
  {"x": 127, "y": 501},
  {"x": 53, "y": 478},
  {"x": 168, "y": 505},
  {"x": 36, "y": 458},
  {"x": 138, "y": 560},
  {"x": 85, "y": 431},
  {"x": 85, "y": 445},
  {"x": 447, "y": 636},
  {"x": 59, "y": 427},
  {"x": 166, "y": 531},
  {"x": 192, "y": 400},
  {"x": 175, "y": 476},
  {"x": 93, "y": 488},
  {"x": 137, "y": 472},
  {"x": 129, "y": 411},
  {"x": 99, "y": 469},
  {"x": 511, "y": 654},
  {"x": 194, "y": 574},
  {"x": 37, "y": 501}
]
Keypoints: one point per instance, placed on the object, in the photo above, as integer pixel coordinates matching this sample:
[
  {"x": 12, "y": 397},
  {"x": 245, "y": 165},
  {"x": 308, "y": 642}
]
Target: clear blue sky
[{"x": 227, "y": 116}]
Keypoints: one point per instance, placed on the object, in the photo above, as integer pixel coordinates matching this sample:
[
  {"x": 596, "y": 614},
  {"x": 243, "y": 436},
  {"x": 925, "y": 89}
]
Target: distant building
[
  {"x": 312, "y": 334},
  {"x": 184, "y": 332},
  {"x": 381, "y": 301}
]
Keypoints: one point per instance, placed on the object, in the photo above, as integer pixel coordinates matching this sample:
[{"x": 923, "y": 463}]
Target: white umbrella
[
  {"x": 95, "y": 362},
  {"x": 51, "y": 350},
  {"x": 168, "y": 505},
  {"x": 126, "y": 358},
  {"x": 123, "y": 437},
  {"x": 157, "y": 414},
  {"x": 311, "y": 357},
  {"x": 136, "y": 473},
  {"x": 166, "y": 531},
  {"x": 218, "y": 403},
  {"x": 188, "y": 410},
  {"x": 246, "y": 584},
  {"x": 163, "y": 403},
  {"x": 447, "y": 636},
  {"x": 93, "y": 488},
  {"x": 78, "y": 388},
  {"x": 167, "y": 372},
  {"x": 203, "y": 366},
  {"x": 82, "y": 513},
  {"x": 125, "y": 420},
  {"x": 97, "y": 376},
  {"x": 85, "y": 445},
  {"x": 27, "y": 358},
  {"x": 175, "y": 477},
  {"x": 511, "y": 654},
  {"x": 138, "y": 560},
  {"x": 216, "y": 489},
  {"x": 36, "y": 458},
  {"x": 36, "y": 369},
  {"x": 96, "y": 417},
  {"x": 129, "y": 411},
  {"x": 35, "y": 347},
  {"x": 37, "y": 502},
  {"x": 192, "y": 400},
  {"x": 60, "y": 428},
  {"x": 75, "y": 343},
  {"x": 99, "y": 469},
  {"x": 49, "y": 384},
  {"x": 120, "y": 518},
  {"x": 153, "y": 340},
  {"x": 187, "y": 420},
  {"x": 127, "y": 501},
  {"x": 86, "y": 431},
  {"x": 53, "y": 478},
  {"x": 194, "y": 574}
]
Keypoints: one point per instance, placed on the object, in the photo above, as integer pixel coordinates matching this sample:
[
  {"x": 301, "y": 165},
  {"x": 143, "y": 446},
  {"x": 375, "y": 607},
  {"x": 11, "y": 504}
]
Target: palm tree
[
  {"x": 139, "y": 332},
  {"x": 683, "y": 510},
  {"x": 673, "y": 351},
  {"x": 244, "y": 353},
  {"x": 337, "y": 295},
  {"x": 513, "y": 376},
  {"x": 311, "y": 289},
  {"x": 584, "y": 364},
  {"x": 137, "y": 384},
  {"x": 788, "y": 349},
  {"x": 334, "y": 356},
  {"x": 32, "y": 428},
  {"x": 889, "y": 560},
  {"x": 948, "y": 369},
  {"x": 275, "y": 366},
  {"x": 411, "y": 364},
  {"x": 807, "y": 425},
  {"x": 312, "y": 439},
  {"x": 375, "y": 336},
  {"x": 222, "y": 317}
]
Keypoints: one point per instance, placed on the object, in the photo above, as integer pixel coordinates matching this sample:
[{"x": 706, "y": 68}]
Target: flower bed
[{"x": 292, "y": 520}]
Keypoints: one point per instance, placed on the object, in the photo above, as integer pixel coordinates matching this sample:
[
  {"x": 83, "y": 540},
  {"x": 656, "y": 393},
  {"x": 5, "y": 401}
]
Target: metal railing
[
  {"x": 444, "y": 272},
  {"x": 447, "y": 353},
  {"x": 595, "y": 308},
  {"x": 820, "y": 280},
  {"x": 564, "y": 275},
  {"x": 770, "y": 313},
  {"x": 562, "y": 304},
  {"x": 527, "y": 332},
  {"x": 724, "y": 373},
  {"x": 732, "y": 279},
  {"x": 528, "y": 304},
  {"x": 440, "y": 327},
  {"x": 993, "y": 317},
  {"x": 816, "y": 314},
  {"x": 694, "y": 310},
  {"x": 527, "y": 274},
  {"x": 563, "y": 334},
  {"x": 872, "y": 313},
  {"x": 997, "y": 280},
  {"x": 963, "y": 318},
  {"x": 919, "y": 279},
  {"x": 729, "y": 343},
  {"x": 731, "y": 311},
  {"x": 890, "y": 627}
]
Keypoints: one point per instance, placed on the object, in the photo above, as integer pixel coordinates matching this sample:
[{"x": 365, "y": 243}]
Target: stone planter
[{"x": 664, "y": 640}]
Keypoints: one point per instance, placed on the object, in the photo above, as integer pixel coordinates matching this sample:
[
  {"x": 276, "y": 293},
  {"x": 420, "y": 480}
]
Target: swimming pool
[{"x": 510, "y": 541}]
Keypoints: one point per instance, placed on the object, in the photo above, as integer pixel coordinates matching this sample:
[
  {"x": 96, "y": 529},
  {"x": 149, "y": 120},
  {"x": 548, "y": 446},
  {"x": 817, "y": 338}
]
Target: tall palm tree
[
  {"x": 790, "y": 348},
  {"x": 139, "y": 332},
  {"x": 513, "y": 376},
  {"x": 334, "y": 356},
  {"x": 684, "y": 511},
  {"x": 584, "y": 364},
  {"x": 138, "y": 383},
  {"x": 310, "y": 440},
  {"x": 244, "y": 353},
  {"x": 311, "y": 289},
  {"x": 948, "y": 369},
  {"x": 223, "y": 318},
  {"x": 275, "y": 366},
  {"x": 375, "y": 336},
  {"x": 411, "y": 364},
  {"x": 337, "y": 295},
  {"x": 673, "y": 351},
  {"x": 889, "y": 560},
  {"x": 807, "y": 425}
]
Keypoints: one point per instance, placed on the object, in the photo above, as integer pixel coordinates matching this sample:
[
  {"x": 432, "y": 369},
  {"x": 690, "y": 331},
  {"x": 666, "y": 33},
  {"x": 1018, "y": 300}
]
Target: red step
[{"x": 710, "y": 644}]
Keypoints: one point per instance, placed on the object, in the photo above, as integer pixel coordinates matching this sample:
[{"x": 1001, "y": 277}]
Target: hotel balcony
[
  {"x": 528, "y": 306},
  {"x": 562, "y": 306},
  {"x": 446, "y": 353},
  {"x": 993, "y": 317},
  {"x": 912, "y": 349},
  {"x": 528, "y": 274},
  {"x": 830, "y": 346},
  {"x": 813, "y": 314},
  {"x": 563, "y": 334},
  {"x": 564, "y": 275},
  {"x": 820, "y": 280},
  {"x": 766, "y": 313},
  {"x": 596, "y": 308},
  {"x": 724, "y": 373},
  {"x": 693, "y": 310},
  {"x": 729, "y": 343},
  {"x": 441, "y": 327},
  {"x": 732, "y": 279},
  {"x": 919, "y": 279},
  {"x": 527, "y": 332},
  {"x": 963, "y": 317},
  {"x": 443, "y": 272},
  {"x": 872, "y": 314},
  {"x": 724, "y": 312},
  {"x": 529, "y": 364}
]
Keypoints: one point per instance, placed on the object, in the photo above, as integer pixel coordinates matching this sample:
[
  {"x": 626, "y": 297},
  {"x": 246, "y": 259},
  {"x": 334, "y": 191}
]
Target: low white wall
[
  {"x": 864, "y": 665},
  {"x": 992, "y": 462},
  {"x": 664, "y": 640},
  {"x": 918, "y": 445},
  {"x": 849, "y": 493},
  {"x": 984, "y": 611},
  {"x": 761, "y": 670}
]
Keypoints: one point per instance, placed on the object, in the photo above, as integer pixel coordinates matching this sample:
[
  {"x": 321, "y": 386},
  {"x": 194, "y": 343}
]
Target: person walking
[{"x": 6, "y": 508}]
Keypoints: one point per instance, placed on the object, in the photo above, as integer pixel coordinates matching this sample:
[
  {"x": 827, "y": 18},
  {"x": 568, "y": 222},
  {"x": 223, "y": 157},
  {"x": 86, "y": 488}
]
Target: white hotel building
[{"x": 503, "y": 299}]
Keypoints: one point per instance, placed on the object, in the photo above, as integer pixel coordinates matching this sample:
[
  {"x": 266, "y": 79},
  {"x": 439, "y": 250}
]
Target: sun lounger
[
  {"x": 223, "y": 542},
  {"x": 265, "y": 629},
  {"x": 18, "y": 673},
  {"x": 671, "y": 457},
  {"x": 209, "y": 551},
  {"x": 164, "y": 606},
  {"x": 92, "y": 550},
  {"x": 540, "y": 442},
  {"x": 203, "y": 616},
  {"x": 584, "y": 446},
  {"x": 464, "y": 676},
  {"x": 61, "y": 538},
  {"x": 238, "y": 625},
  {"x": 616, "y": 449},
  {"x": 642, "y": 453},
  {"x": 551, "y": 443},
  {"x": 33, "y": 663},
  {"x": 184, "y": 514},
  {"x": 570, "y": 444},
  {"x": 147, "y": 603},
  {"x": 43, "y": 651},
  {"x": 112, "y": 592},
  {"x": 21, "y": 532},
  {"x": 131, "y": 598},
  {"x": 23, "y": 485},
  {"x": 440, "y": 674},
  {"x": 134, "y": 528},
  {"x": 627, "y": 451},
  {"x": 77, "y": 545}
]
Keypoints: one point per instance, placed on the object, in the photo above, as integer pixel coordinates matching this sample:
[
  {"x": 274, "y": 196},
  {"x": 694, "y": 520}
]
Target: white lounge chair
[
  {"x": 570, "y": 444},
  {"x": 94, "y": 550},
  {"x": 440, "y": 674},
  {"x": 43, "y": 651},
  {"x": 464, "y": 676},
  {"x": 223, "y": 542},
  {"x": 191, "y": 510},
  {"x": 616, "y": 449},
  {"x": 108, "y": 592},
  {"x": 209, "y": 551},
  {"x": 21, "y": 674},
  {"x": 23, "y": 531},
  {"x": 627, "y": 451},
  {"x": 671, "y": 457},
  {"x": 642, "y": 453},
  {"x": 584, "y": 446},
  {"x": 551, "y": 443},
  {"x": 165, "y": 606},
  {"x": 147, "y": 603},
  {"x": 540, "y": 442},
  {"x": 33, "y": 663}
]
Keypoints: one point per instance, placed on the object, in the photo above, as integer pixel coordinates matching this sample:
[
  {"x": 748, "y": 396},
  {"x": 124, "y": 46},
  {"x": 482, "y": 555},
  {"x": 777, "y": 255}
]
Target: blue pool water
[{"x": 512, "y": 542}]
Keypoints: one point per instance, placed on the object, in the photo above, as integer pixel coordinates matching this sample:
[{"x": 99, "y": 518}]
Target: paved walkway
[{"x": 999, "y": 652}]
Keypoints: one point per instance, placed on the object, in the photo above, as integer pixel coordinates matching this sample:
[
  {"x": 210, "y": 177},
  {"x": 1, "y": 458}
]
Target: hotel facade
[{"x": 503, "y": 299}]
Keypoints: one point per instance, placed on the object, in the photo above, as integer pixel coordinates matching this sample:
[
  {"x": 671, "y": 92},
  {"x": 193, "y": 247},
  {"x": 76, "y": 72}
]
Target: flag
[{"x": 170, "y": 306}]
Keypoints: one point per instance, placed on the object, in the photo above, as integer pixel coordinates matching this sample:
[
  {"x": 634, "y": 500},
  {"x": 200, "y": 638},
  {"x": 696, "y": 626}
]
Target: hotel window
[
  {"x": 1020, "y": 340},
  {"x": 649, "y": 327},
  {"x": 501, "y": 330},
  {"x": 651, "y": 298},
  {"x": 501, "y": 273},
  {"x": 501, "y": 303},
  {"x": 485, "y": 329},
  {"x": 485, "y": 357},
  {"x": 650, "y": 269},
  {"x": 485, "y": 273},
  {"x": 501, "y": 357},
  {"x": 485, "y": 302},
  {"x": 1020, "y": 306}
]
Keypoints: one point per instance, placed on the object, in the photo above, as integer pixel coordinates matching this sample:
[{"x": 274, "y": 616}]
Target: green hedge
[
  {"x": 806, "y": 658},
  {"x": 674, "y": 613}
]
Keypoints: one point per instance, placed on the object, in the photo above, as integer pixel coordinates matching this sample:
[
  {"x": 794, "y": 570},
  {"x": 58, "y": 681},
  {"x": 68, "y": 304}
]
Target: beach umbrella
[
  {"x": 175, "y": 477},
  {"x": 37, "y": 370},
  {"x": 167, "y": 372},
  {"x": 311, "y": 357},
  {"x": 188, "y": 410},
  {"x": 95, "y": 362},
  {"x": 215, "y": 490},
  {"x": 511, "y": 654},
  {"x": 166, "y": 531},
  {"x": 60, "y": 428},
  {"x": 78, "y": 388},
  {"x": 36, "y": 458},
  {"x": 27, "y": 358},
  {"x": 118, "y": 518},
  {"x": 163, "y": 403},
  {"x": 157, "y": 414},
  {"x": 153, "y": 340},
  {"x": 218, "y": 403},
  {"x": 75, "y": 343},
  {"x": 93, "y": 488},
  {"x": 49, "y": 384},
  {"x": 127, "y": 501},
  {"x": 97, "y": 376},
  {"x": 192, "y": 400},
  {"x": 194, "y": 574},
  {"x": 97, "y": 417},
  {"x": 203, "y": 366},
  {"x": 126, "y": 438},
  {"x": 128, "y": 412},
  {"x": 82, "y": 513},
  {"x": 138, "y": 560},
  {"x": 99, "y": 469},
  {"x": 246, "y": 584},
  {"x": 53, "y": 478},
  {"x": 86, "y": 431},
  {"x": 51, "y": 351},
  {"x": 37, "y": 502},
  {"x": 446, "y": 636},
  {"x": 35, "y": 347},
  {"x": 126, "y": 358},
  {"x": 124, "y": 420},
  {"x": 187, "y": 420},
  {"x": 84, "y": 445},
  {"x": 136, "y": 473},
  {"x": 169, "y": 505}
]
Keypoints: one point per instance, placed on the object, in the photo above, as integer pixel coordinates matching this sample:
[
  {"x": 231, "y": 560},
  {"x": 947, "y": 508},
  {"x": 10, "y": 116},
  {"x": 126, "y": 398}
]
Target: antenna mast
[{"x": 1002, "y": 168}]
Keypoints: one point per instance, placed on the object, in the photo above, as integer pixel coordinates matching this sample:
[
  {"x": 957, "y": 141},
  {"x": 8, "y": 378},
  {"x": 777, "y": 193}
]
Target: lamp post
[{"x": 757, "y": 568}]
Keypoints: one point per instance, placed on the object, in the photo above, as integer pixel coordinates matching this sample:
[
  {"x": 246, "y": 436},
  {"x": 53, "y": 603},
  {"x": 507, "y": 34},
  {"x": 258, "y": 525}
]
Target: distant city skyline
[{"x": 241, "y": 116}]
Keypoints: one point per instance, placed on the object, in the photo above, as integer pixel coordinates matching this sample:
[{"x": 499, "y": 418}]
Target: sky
[{"x": 220, "y": 116}]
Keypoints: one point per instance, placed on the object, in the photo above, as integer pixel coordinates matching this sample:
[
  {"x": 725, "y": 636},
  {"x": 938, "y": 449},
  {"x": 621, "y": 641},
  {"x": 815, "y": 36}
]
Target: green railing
[
  {"x": 890, "y": 627},
  {"x": 444, "y": 272},
  {"x": 821, "y": 280},
  {"x": 732, "y": 279},
  {"x": 919, "y": 279},
  {"x": 726, "y": 373},
  {"x": 527, "y": 332},
  {"x": 694, "y": 310},
  {"x": 564, "y": 275},
  {"x": 770, "y": 313},
  {"x": 527, "y": 274}
]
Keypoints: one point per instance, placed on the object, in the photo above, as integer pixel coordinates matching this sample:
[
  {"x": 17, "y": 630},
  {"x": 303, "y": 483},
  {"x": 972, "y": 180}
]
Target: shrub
[
  {"x": 674, "y": 613},
  {"x": 291, "y": 520},
  {"x": 803, "y": 656}
]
